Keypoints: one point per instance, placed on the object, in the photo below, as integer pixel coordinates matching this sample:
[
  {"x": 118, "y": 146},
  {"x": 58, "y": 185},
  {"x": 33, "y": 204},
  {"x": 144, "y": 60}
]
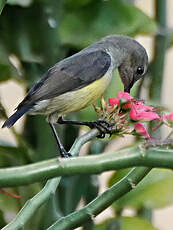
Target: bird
[{"x": 77, "y": 81}]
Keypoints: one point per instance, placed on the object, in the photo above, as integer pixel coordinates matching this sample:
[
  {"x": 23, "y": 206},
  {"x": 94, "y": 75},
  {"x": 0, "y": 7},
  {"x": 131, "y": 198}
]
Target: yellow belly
[{"x": 79, "y": 99}]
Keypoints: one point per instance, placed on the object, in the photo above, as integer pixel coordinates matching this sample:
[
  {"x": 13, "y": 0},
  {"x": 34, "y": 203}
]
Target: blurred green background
[{"x": 34, "y": 35}]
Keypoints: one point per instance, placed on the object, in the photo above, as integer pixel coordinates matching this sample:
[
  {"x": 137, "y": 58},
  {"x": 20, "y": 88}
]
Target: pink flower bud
[
  {"x": 140, "y": 128},
  {"x": 124, "y": 95},
  {"x": 114, "y": 101}
]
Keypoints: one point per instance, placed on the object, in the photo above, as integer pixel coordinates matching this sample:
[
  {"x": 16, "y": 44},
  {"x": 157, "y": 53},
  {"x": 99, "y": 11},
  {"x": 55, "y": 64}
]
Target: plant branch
[
  {"x": 101, "y": 202},
  {"x": 160, "y": 46},
  {"x": 32, "y": 205},
  {"x": 129, "y": 157},
  {"x": 49, "y": 189}
]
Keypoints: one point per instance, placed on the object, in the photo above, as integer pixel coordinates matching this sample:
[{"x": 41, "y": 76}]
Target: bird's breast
[{"x": 74, "y": 100}]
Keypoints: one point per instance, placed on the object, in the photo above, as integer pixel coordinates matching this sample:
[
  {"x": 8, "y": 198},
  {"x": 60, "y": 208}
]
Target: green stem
[
  {"x": 160, "y": 46},
  {"x": 93, "y": 164},
  {"x": 101, "y": 202},
  {"x": 49, "y": 189},
  {"x": 32, "y": 205}
]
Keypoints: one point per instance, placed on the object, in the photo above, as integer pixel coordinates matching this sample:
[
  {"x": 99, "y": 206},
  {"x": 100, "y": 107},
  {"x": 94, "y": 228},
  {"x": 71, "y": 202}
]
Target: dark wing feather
[{"x": 70, "y": 74}]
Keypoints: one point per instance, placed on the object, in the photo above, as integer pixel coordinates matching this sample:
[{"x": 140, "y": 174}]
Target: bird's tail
[{"x": 18, "y": 114}]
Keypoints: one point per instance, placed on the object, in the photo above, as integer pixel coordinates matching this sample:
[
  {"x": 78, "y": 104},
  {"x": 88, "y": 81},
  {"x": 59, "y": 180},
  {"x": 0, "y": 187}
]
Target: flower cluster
[{"x": 127, "y": 115}]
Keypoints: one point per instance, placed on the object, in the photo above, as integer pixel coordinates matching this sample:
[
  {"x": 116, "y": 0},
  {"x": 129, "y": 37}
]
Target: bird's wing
[{"x": 70, "y": 74}]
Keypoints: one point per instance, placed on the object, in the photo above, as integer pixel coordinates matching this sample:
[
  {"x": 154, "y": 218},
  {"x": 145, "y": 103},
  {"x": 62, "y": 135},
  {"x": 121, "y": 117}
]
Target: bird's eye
[{"x": 140, "y": 70}]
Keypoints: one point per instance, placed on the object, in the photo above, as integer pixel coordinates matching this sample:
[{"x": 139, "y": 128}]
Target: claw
[
  {"x": 110, "y": 135},
  {"x": 103, "y": 127},
  {"x": 101, "y": 135},
  {"x": 65, "y": 154}
]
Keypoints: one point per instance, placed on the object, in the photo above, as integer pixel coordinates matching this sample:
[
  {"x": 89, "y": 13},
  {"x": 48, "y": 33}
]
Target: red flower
[
  {"x": 137, "y": 115},
  {"x": 140, "y": 128},
  {"x": 124, "y": 106},
  {"x": 127, "y": 106},
  {"x": 114, "y": 101}
]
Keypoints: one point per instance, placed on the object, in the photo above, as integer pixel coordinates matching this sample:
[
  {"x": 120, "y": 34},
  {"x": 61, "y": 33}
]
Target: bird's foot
[
  {"x": 64, "y": 153},
  {"x": 103, "y": 127}
]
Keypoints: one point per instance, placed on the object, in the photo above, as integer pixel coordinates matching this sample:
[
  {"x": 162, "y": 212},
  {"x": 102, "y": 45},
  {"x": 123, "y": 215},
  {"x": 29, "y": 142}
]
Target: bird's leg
[
  {"x": 102, "y": 125},
  {"x": 63, "y": 152}
]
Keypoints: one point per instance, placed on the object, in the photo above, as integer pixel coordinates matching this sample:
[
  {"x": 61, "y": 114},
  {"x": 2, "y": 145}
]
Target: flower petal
[
  {"x": 141, "y": 106},
  {"x": 140, "y": 128},
  {"x": 127, "y": 106},
  {"x": 124, "y": 95},
  {"x": 137, "y": 115},
  {"x": 114, "y": 101},
  {"x": 168, "y": 117}
]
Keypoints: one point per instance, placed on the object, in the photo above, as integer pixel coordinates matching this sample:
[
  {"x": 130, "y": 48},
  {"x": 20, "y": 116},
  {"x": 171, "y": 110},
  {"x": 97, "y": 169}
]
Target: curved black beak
[{"x": 128, "y": 87}]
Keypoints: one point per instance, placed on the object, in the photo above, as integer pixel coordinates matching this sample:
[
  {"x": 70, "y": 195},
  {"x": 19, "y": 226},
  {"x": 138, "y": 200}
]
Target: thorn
[
  {"x": 133, "y": 186},
  {"x": 90, "y": 215},
  {"x": 142, "y": 150}
]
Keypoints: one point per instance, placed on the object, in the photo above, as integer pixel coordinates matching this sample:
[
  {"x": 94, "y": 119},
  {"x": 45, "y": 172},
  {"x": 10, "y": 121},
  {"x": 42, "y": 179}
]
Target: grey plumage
[
  {"x": 77, "y": 81},
  {"x": 70, "y": 74}
]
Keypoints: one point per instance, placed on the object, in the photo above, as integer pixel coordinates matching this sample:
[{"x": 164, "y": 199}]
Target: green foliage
[
  {"x": 155, "y": 191},
  {"x": 2, "y": 4},
  {"x": 2, "y": 220},
  {"x": 12, "y": 156},
  {"x": 96, "y": 19},
  {"x": 134, "y": 223},
  {"x": 35, "y": 34},
  {"x": 125, "y": 223}
]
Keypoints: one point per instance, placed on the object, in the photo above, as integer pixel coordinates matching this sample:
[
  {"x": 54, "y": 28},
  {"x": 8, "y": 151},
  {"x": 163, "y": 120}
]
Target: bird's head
[
  {"x": 133, "y": 67},
  {"x": 130, "y": 57}
]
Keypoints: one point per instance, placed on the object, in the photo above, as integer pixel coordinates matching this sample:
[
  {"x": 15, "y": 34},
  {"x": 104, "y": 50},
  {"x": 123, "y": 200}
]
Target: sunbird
[{"x": 77, "y": 81}]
